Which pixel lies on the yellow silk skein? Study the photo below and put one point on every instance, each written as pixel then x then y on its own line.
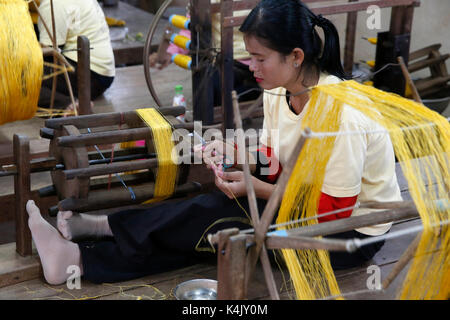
pixel 164 146
pixel 21 66
pixel 416 132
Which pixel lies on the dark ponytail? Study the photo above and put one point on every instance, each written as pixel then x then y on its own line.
pixel 330 61
pixel 284 25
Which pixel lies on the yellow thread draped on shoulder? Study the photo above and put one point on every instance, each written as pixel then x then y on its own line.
pixel 416 132
pixel 21 66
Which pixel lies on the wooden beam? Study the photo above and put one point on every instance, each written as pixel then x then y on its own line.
pixel 277 242
pixel 22 190
pixel 231 266
pixel 226 64
pixel 119 196
pixel 408 79
pixel 201 34
pixel 84 75
pixel 350 36
pixel 236 6
pixel 351 223
pixel 108 119
pixel 337 9
pixel 109 137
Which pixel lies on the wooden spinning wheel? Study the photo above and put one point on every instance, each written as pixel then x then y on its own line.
pixel 161 49
pixel 91 172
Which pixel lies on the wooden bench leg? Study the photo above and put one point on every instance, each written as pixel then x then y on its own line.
pixel 231 266
pixel 22 189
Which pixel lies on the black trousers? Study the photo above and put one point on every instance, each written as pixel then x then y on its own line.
pixel 99 84
pixel 165 237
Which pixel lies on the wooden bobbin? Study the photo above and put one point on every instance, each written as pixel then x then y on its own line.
pixel 72 158
pixel 76 156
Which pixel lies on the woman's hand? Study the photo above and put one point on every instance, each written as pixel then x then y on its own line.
pixel 231 183
pixel 217 153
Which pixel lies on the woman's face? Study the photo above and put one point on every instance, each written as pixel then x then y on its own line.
pixel 268 66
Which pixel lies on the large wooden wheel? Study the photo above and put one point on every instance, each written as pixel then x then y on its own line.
pixel 162 47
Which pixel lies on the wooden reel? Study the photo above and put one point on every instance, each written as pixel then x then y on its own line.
pixel 71 158
pixel 90 175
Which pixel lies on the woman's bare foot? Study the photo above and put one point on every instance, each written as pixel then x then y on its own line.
pixel 55 252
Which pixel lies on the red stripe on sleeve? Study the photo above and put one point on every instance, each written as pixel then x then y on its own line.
pixel 329 203
pixel 273 163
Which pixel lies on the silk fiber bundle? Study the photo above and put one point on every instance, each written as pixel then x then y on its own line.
pixel 164 146
pixel 416 132
pixel 21 66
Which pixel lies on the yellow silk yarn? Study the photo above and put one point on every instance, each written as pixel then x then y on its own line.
pixel 416 132
pixel 164 146
pixel 21 66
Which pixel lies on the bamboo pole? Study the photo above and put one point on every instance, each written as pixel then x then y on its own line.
pixel 337 226
pixel 277 242
pixel 402 262
pixel 409 81
pixel 355 222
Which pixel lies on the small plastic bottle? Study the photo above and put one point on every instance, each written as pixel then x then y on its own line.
pixel 179 100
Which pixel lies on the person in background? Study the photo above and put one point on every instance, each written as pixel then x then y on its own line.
pixel 243 78
pixel 72 19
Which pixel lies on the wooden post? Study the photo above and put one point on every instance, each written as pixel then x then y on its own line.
pixel 84 75
pixel 202 90
pixel 22 190
pixel 350 34
pixel 55 61
pixel 408 79
pixel 390 45
pixel 231 265
pixel 226 10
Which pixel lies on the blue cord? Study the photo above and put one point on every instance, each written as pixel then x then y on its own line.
pixel 133 196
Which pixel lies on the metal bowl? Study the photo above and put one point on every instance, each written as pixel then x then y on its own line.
pixel 197 289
